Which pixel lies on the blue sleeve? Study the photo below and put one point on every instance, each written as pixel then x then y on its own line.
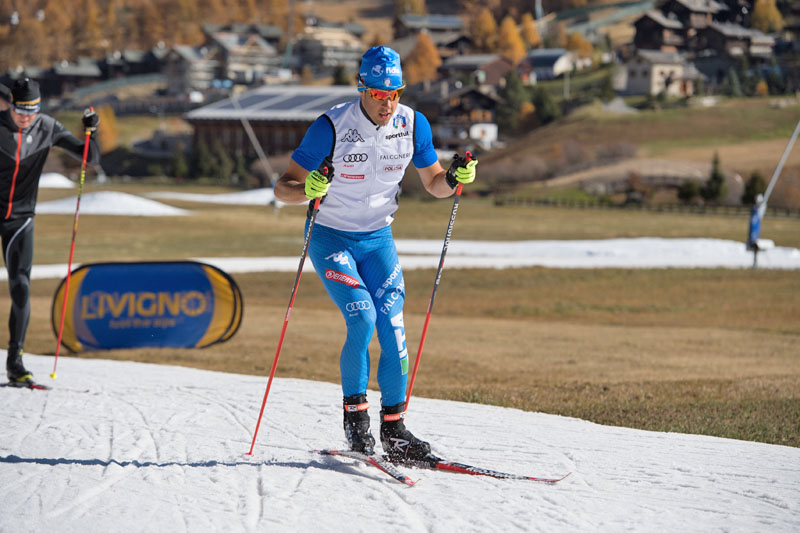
pixel 424 154
pixel 317 144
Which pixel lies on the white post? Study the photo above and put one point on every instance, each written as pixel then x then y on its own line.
pixel 763 208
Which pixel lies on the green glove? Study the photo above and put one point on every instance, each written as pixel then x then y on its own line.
pixel 317 185
pixel 461 171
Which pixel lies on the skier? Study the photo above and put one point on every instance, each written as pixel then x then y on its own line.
pixel 26 137
pixel 368 142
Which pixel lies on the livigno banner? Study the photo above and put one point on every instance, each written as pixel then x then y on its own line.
pixel 181 304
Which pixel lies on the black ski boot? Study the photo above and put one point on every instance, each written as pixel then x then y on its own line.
pixel 15 370
pixel 356 424
pixel 399 443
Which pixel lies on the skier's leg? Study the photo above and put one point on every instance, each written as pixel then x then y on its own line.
pixel 18 256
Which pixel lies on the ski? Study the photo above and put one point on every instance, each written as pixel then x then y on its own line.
pixel 380 463
pixel 437 463
pixel 27 384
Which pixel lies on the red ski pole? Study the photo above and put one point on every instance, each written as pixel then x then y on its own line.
pixel 72 248
pixel 435 286
pixel 326 170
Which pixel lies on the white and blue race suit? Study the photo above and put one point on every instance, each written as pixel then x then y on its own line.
pixel 352 247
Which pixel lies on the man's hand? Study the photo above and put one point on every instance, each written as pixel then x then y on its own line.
pixel 319 181
pixel 462 170
pixel 90 120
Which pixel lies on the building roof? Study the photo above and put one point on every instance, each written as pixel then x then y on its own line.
pixel 470 60
pixel 735 31
pixel 231 40
pixel 331 36
pixel 432 22
pixel 189 53
pixel 659 18
pixel 544 57
pixel 703 6
pixel 405 45
pixel 266 31
pixel 84 67
pixel 277 103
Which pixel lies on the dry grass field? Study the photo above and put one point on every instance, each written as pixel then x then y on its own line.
pixel 712 351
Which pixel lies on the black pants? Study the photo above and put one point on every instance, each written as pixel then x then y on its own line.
pixel 17 237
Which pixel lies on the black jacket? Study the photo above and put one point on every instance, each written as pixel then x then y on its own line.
pixel 28 148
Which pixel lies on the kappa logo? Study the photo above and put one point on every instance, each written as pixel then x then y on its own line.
pixel 352 136
pixel 377 70
pixel 355 158
pixel 340 258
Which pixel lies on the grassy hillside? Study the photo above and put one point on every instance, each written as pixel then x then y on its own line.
pixel 748 134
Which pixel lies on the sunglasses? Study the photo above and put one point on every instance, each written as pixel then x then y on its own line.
pixel 379 94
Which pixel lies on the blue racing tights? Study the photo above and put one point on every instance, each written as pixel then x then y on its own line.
pixel 362 275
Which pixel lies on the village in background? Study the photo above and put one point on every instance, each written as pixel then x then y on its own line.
pixel 233 84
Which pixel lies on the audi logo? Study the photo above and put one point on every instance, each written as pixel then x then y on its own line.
pixel 355 158
pixel 358 306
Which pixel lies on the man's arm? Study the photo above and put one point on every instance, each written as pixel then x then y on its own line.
pixel 434 181
pixel 291 186
pixel 74 146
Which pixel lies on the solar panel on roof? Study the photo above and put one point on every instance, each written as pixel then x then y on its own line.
pixel 289 103
pixel 323 104
pixel 250 100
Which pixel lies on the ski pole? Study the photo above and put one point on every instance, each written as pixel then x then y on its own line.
pixel 88 134
pixel 326 170
pixel 435 286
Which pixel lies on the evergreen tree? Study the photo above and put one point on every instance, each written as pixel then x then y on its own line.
pixel 546 107
pixel 734 87
pixel 242 173
pixel 409 7
pixel 89 30
pixel 607 92
pixel 561 35
pixel 529 32
pixel 151 25
pixel 224 164
pixel 423 61
pixel 509 41
pixel 752 188
pixel 202 161
pixel 688 191
pixel 766 17
pixel 113 32
pixel 180 168
pixel 714 189
pixel 483 31
pixel 61 43
pixel 513 95
pixel 577 43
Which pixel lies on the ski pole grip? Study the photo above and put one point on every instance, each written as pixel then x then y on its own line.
pixel 326 169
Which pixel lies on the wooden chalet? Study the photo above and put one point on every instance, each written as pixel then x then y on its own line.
pixel 278 115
